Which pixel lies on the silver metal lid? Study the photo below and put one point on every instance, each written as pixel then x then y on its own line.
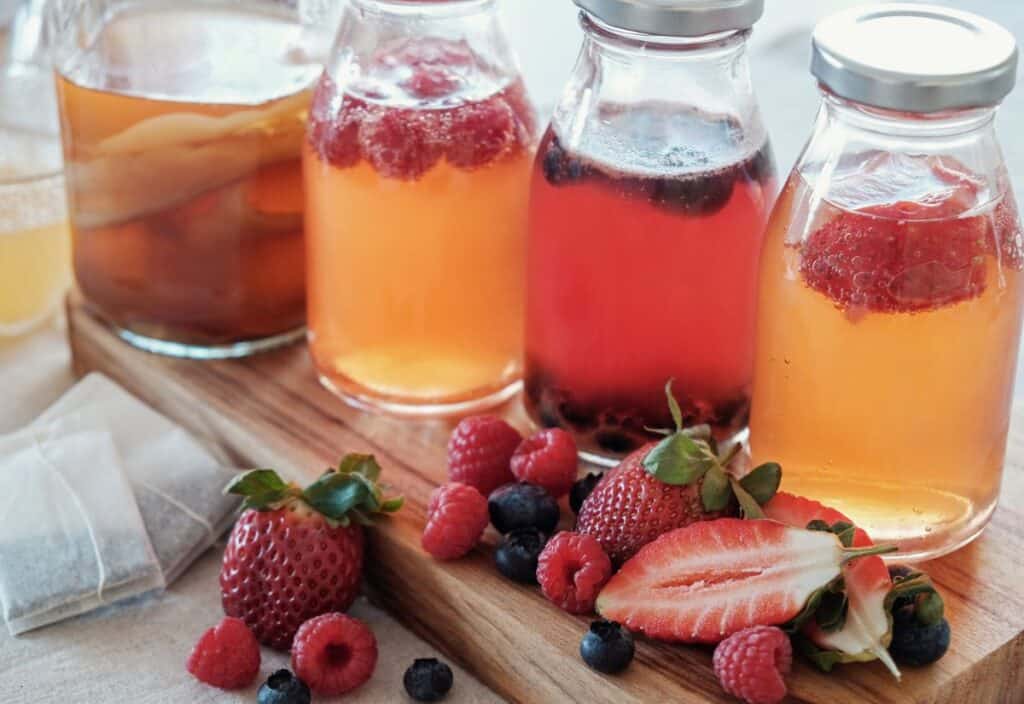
pixel 676 18
pixel 915 58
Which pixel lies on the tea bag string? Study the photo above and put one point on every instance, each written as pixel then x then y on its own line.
pixel 37 445
pixel 183 508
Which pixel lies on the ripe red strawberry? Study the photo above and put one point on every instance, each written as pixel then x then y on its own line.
pixel 226 656
pixel 334 654
pixel 548 459
pixel 711 579
pixel 480 453
pixel 750 664
pixel 456 518
pixel 867 631
pixel 297 554
pixel 630 507
pixel 571 571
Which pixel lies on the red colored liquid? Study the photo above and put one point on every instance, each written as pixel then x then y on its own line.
pixel 637 279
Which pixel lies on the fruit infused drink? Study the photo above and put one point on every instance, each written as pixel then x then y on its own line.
pixel 646 216
pixel 888 345
pixel 636 277
pixel 890 293
pixel 183 127
pixel 417 175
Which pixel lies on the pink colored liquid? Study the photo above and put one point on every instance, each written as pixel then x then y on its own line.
pixel 637 279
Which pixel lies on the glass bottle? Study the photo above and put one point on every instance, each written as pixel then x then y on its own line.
pixel 417 172
pixel 182 126
pixel 649 199
pixel 891 292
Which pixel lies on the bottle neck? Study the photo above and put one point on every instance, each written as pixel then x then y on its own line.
pixel 710 47
pixel 887 124
pixel 425 9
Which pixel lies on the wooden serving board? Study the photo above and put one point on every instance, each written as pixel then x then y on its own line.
pixel 270 411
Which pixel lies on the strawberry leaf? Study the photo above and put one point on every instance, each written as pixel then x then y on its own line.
pixel 679 460
pixel 363 465
pixel 845 532
pixel 748 505
pixel 261 488
pixel 763 481
pixel 335 495
pixel 392 505
pixel 673 406
pixel 715 491
pixel 824 660
pixel 831 614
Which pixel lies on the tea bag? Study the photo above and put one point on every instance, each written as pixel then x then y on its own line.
pixel 72 537
pixel 177 483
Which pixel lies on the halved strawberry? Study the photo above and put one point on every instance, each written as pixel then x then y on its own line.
pixel 711 579
pixel 867 629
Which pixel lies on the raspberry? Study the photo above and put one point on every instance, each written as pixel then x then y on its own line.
pixel 401 144
pixel 480 453
pixel 456 518
pixel 334 653
pixel 481 132
pixel 334 121
pixel 547 459
pixel 227 656
pixel 572 570
pixel 750 664
pixel 431 82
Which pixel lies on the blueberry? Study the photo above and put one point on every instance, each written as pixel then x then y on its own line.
pixel 516 556
pixel 607 647
pixel 694 195
pixel 916 644
pixel 516 506
pixel 283 687
pixel 560 167
pixel 428 680
pixel 581 490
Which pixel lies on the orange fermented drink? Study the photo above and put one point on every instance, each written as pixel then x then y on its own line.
pixel 886 391
pixel 184 175
pixel 416 219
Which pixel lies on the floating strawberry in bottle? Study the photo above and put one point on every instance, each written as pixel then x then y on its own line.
pixel 295 554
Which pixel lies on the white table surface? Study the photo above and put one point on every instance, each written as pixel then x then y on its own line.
pixel 136 652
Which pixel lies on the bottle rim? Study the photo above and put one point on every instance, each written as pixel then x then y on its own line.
pixel 671 18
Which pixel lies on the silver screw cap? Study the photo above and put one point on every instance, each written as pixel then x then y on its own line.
pixel 676 18
pixel 914 58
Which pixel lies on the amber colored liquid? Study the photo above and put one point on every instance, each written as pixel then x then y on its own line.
pixel 898 419
pixel 187 203
pixel 416 286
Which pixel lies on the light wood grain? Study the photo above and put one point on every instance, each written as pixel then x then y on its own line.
pixel 270 411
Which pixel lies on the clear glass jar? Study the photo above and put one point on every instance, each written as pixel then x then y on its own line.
pixel 182 125
pixel 649 199
pixel 891 289
pixel 417 167
pixel 35 247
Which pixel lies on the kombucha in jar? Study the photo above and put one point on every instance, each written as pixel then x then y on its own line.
pixel 649 199
pixel 183 125
pixel 417 166
pixel 891 294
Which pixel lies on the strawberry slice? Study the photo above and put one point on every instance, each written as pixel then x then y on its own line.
pixel 867 630
pixel 711 579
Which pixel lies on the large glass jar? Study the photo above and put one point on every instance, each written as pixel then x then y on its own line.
pixel 182 124
pixel 891 291
pixel 649 199
pixel 417 172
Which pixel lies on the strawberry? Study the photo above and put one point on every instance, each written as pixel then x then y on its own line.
pixel 711 579
pixel 866 628
pixel 296 554
pixel 668 485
